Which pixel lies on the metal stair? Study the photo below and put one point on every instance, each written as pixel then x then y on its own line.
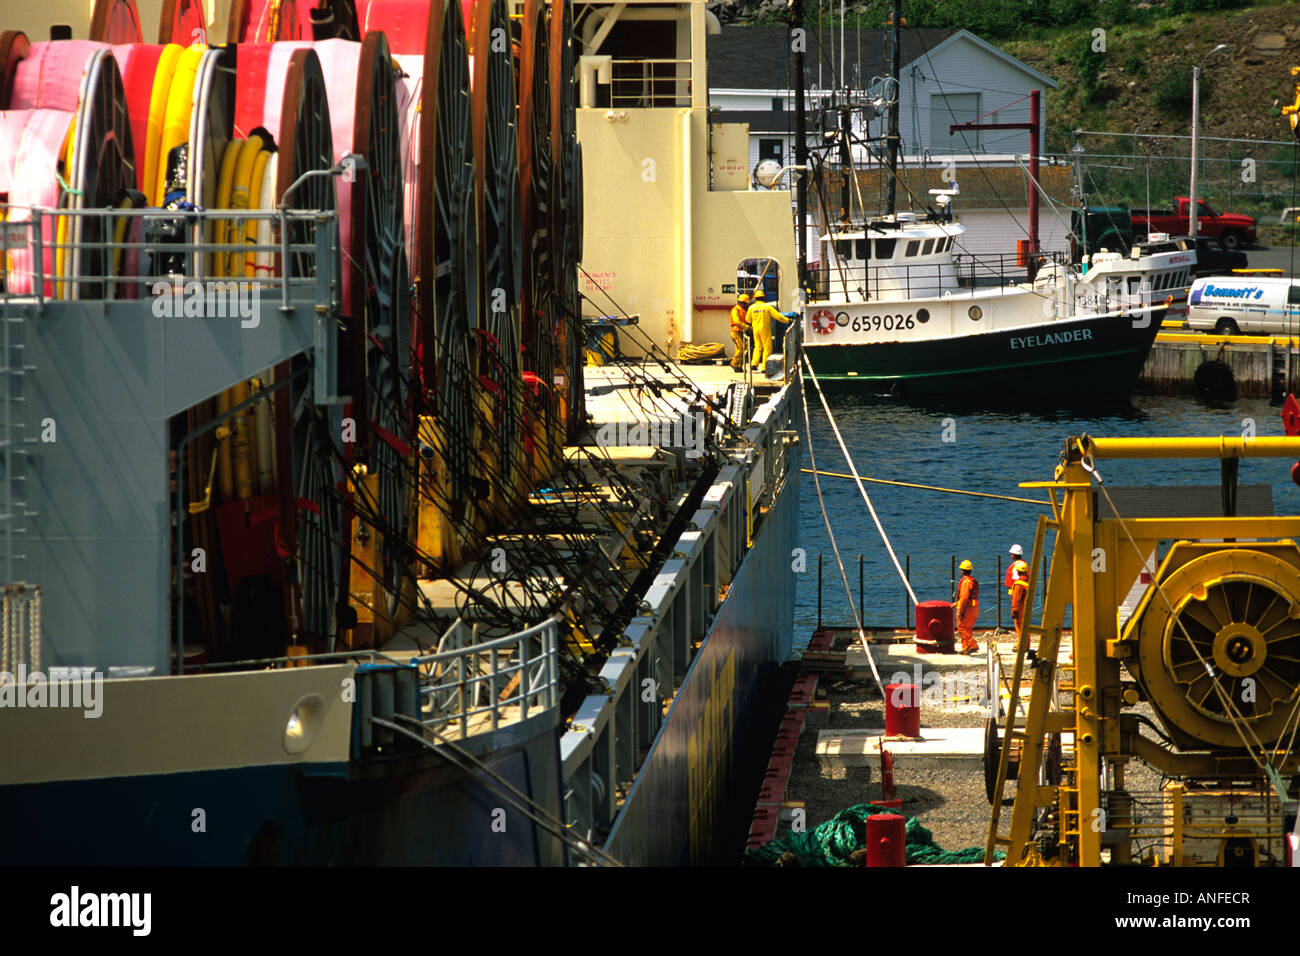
pixel 20 616
pixel 1042 717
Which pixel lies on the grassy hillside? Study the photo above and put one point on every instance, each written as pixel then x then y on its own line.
pixel 1136 77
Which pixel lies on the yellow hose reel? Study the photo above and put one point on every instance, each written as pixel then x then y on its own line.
pixel 1222 656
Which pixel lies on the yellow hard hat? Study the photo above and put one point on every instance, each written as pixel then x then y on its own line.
pixel 966 566
pixel 743 297
pixel 758 294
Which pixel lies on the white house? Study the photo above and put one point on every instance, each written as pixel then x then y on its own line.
pixel 946 77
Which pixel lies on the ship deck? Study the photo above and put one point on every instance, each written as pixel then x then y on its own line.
pixel 624 393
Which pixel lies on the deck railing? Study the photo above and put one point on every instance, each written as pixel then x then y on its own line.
pixel 149 254
pixel 965 273
pixel 650 83
pixel 487 683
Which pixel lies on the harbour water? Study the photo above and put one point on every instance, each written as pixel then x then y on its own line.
pixel 978 450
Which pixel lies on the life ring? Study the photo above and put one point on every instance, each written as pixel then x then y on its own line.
pixel 823 322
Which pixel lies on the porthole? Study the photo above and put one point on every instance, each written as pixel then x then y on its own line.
pixel 975 313
pixel 923 315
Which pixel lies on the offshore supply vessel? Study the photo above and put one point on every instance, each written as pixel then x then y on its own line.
pixel 317 547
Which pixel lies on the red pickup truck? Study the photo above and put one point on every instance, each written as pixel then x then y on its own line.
pixel 1232 229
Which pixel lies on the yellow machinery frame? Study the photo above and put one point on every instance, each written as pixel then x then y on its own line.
pixel 1098 694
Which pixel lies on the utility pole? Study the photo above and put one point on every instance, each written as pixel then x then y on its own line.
pixel 800 145
pixel 1196 129
pixel 891 187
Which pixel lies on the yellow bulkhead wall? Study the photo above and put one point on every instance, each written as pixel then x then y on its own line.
pixel 655 236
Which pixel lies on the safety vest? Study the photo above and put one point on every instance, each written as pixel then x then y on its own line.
pixel 739 318
pixel 1018 569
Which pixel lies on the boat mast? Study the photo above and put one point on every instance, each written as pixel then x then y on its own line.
pixel 891 186
pixel 800 146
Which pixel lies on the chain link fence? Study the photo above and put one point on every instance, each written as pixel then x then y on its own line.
pixel 1254 177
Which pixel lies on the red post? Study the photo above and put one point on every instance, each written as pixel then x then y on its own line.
pixel 1034 126
pixel 886 839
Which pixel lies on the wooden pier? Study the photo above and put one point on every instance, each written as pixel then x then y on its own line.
pixel 1225 366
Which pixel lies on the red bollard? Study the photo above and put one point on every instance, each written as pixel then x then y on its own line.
pixel 902 710
pixel 934 628
pixel 886 840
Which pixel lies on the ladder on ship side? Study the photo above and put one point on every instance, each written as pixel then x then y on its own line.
pixel 1037 798
pixel 20 617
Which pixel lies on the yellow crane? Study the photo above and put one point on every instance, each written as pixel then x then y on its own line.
pixel 1212 652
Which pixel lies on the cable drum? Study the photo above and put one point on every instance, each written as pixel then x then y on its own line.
pixel 271 21
pixel 115 21
pixel 28 175
pixel 566 222
pixel 363 103
pixel 305 144
pixel 66 112
pixel 14 48
pixel 495 116
pixel 182 21
pixel 535 185
pixel 1233 638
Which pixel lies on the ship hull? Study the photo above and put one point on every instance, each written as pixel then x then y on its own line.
pixel 696 779
pixel 419 808
pixel 1085 360
pixel 413 810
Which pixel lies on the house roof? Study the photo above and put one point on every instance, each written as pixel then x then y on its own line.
pixel 758 58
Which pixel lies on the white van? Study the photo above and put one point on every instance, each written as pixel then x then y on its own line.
pixel 1247 304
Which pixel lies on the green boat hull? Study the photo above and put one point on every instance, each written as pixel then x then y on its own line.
pixel 1086 360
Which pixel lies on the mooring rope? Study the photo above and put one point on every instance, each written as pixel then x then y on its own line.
pixel 951 491
pixel 856 477
pixel 835 548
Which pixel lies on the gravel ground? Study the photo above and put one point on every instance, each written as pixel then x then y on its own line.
pixel 950 803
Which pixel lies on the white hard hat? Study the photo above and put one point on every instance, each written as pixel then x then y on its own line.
pixel 1017 550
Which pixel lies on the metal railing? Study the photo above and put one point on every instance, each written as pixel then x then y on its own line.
pixel 640 84
pixel 908 621
pixel 152 254
pixel 966 273
pixel 491 682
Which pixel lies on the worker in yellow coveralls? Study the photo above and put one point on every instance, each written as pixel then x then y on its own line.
pixel 968 607
pixel 739 326
pixel 760 316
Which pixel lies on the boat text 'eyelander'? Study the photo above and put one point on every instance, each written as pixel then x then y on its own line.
pixel 1051 338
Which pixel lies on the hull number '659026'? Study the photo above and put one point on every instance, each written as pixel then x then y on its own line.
pixel 889 323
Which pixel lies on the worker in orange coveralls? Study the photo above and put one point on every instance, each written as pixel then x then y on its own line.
pixel 968 607
pixel 739 326
pixel 1019 594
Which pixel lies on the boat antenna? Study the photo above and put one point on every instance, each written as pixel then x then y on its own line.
pixel 891 188
pixel 800 145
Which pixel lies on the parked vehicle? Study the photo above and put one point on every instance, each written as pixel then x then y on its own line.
pixel 1244 304
pixel 1098 228
pixel 1212 259
pixel 1233 229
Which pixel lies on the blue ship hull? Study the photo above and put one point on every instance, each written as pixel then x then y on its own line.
pixel 402 811
pixel 715 734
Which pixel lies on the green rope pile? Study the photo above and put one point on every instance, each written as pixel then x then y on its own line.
pixel 833 842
